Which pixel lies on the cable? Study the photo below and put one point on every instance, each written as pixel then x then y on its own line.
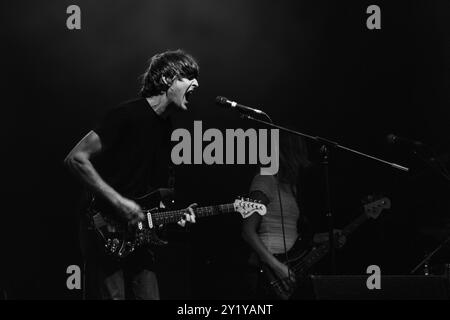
pixel 281 213
pixel 267 116
pixel 282 228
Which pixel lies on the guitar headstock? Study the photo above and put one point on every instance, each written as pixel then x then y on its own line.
pixel 374 207
pixel 246 207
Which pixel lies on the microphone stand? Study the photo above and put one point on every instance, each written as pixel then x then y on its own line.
pixel 428 257
pixel 326 146
pixel 433 163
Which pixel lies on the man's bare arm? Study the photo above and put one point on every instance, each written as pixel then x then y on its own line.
pixel 79 162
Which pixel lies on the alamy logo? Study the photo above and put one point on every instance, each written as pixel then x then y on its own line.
pixel 374 280
pixel 213 153
pixel 374 20
pixel 73 21
pixel 74 279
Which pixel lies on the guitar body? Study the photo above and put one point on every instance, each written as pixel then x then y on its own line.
pixel 284 288
pixel 115 236
pixel 302 257
pixel 119 240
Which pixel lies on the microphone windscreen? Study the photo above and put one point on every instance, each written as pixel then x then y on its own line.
pixel 221 100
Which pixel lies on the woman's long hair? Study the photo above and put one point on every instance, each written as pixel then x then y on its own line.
pixel 293 158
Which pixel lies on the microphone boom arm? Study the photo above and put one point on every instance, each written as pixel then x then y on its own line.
pixel 329 143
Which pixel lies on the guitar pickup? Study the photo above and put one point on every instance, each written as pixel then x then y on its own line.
pixel 149 219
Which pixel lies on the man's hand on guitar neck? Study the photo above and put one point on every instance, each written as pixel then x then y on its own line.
pixel 189 217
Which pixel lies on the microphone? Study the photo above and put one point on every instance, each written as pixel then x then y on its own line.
pixel 393 139
pixel 224 102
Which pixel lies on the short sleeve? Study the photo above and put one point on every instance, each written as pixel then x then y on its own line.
pixel 264 183
pixel 112 126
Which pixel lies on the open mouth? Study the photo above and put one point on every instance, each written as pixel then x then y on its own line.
pixel 188 95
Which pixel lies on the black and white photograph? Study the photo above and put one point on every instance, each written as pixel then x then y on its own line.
pixel 235 157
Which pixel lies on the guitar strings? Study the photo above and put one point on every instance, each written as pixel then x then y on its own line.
pixel 170 215
pixel 295 268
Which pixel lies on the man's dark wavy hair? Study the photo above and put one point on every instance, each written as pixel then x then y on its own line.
pixel 172 64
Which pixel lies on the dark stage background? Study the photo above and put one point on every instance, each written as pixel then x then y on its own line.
pixel 310 64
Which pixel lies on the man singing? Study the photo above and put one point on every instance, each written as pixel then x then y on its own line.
pixel 126 156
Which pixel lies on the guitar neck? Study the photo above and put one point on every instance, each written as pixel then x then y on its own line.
pixel 166 217
pixel 318 253
pixel 354 224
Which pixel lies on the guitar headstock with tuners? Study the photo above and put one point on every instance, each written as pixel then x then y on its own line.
pixel 246 207
pixel 373 208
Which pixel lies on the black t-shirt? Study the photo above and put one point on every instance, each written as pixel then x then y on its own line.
pixel 136 148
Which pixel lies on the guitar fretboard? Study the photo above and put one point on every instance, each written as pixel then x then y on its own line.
pixel 354 224
pixel 165 217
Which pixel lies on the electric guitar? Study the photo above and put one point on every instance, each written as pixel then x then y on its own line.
pixel 301 258
pixel 119 240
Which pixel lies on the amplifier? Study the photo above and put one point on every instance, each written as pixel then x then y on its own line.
pixel 393 287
